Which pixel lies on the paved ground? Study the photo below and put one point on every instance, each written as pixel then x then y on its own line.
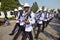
pixel 52 32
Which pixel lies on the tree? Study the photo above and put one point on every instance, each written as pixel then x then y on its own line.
pixel 35 7
pixel 9 4
pixel 58 10
pixel 0 4
pixel 43 7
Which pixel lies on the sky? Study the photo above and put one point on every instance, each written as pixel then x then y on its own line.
pixel 46 3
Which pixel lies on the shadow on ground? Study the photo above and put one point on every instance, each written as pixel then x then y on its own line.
pixel 49 35
pixel 56 28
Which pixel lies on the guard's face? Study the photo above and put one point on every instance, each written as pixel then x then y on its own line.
pixel 39 12
pixel 26 9
pixel 55 12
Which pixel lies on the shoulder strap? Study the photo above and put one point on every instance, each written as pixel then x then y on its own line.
pixel 40 14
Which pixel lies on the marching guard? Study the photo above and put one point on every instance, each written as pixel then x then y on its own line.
pixel 44 15
pixel 25 20
pixel 28 22
pixel 17 22
pixel 20 12
pixel 38 22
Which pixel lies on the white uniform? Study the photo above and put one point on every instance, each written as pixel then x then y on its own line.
pixel 22 20
pixel 38 18
pixel 32 15
pixel 45 16
pixel 42 16
pixel 17 21
pixel 52 15
pixel 48 17
pixel 28 27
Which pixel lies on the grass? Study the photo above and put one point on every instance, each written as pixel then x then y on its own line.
pixel 12 18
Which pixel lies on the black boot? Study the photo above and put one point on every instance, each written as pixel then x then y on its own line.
pixel 11 34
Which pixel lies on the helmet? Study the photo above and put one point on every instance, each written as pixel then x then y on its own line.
pixel 15 9
pixel 45 9
pixel 49 10
pixel 26 5
pixel 20 8
pixel 39 9
pixel 55 10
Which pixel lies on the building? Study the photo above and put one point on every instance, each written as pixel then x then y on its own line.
pixel 10 14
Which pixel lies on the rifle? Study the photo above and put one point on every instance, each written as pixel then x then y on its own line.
pixel 39 16
pixel 27 16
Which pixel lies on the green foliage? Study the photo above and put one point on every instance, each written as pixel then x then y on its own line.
pixel 35 7
pixel 58 10
pixel 9 4
pixel 12 18
pixel 43 7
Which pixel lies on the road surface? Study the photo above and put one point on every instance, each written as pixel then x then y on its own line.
pixel 52 32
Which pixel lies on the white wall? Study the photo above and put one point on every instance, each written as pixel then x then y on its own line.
pixel 2 15
pixel 8 15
